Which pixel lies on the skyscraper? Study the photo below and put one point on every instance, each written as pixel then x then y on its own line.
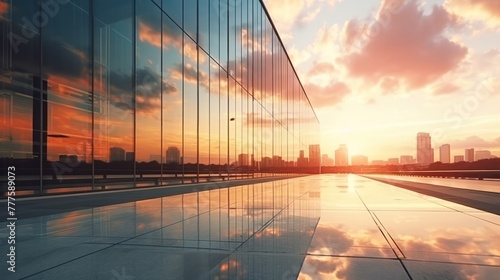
pixel 425 154
pixel 406 159
pixel 341 156
pixel 116 154
pixel 314 156
pixel 469 155
pixel 444 153
pixel 145 75
pixel 173 155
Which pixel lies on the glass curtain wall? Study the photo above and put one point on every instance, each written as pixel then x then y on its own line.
pixel 113 94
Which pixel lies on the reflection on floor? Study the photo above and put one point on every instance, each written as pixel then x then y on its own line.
pixel 316 227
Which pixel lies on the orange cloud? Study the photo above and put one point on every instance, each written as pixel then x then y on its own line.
pixel 408 45
pixel 328 95
pixel 4 7
pixel 487 11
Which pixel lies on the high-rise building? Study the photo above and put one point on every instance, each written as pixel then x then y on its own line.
pixel 458 158
pixel 406 159
pixel 483 154
pixel 145 75
pixel 243 160
pixel 130 156
pixel 341 156
pixel 469 155
pixel 425 154
pixel 444 153
pixel 116 154
pixel 314 156
pixel 301 160
pixel 173 155
pixel 359 160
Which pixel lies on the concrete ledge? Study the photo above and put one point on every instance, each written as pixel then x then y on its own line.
pixel 482 200
pixel 48 205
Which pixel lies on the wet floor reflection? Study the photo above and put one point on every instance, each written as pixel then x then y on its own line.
pixel 315 227
pixel 220 234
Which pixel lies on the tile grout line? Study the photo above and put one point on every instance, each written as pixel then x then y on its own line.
pixel 382 229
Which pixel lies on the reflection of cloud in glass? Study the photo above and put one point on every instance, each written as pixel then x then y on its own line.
pixel 64 60
pixel 148 89
pixel 152 34
pixel 4 7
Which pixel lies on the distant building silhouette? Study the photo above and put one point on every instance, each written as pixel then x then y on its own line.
pixel 359 160
pixel 341 156
pixel 379 162
pixel 243 160
pixel 458 158
pixel 444 153
pixel 173 155
pixel 425 154
pixel 129 156
pixel 393 161
pixel 301 160
pixel 116 154
pixel 484 154
pixel 326 160
pixel 469 155
pixel 314 156
pixel 406 159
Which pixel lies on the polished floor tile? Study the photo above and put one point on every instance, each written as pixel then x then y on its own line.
pixel 315 227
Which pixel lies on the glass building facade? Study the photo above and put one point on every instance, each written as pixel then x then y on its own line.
pixel 99 94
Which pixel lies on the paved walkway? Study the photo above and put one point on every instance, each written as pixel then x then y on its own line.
pixel 314 227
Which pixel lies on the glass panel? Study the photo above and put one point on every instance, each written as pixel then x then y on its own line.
pixel 190 115
pixel 148 102
pixel 20 101
pixel 224 119
pixel 232 125
pixel 173 8
pixel 214 30
pixel 204 23
pixel 204 112
pixel 223 31
pixel 66 70
pixel 172 101
pixel 191 18
pixel 113 91
pixel 215 133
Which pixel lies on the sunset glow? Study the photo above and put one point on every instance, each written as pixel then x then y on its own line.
pixel 378 73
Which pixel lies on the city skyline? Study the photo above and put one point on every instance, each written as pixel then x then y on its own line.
pixel 429 154
pixel 375 84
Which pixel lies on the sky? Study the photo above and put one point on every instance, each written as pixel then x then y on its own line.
pixel 377 72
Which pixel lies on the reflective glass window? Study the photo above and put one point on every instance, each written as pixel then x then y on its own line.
pixel 148 99
pixel 66 54
pixel 113 48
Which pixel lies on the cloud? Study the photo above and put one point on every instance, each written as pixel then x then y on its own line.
pixel 475 142
pixel 328 95
pixel 486 11
pixel 64 60
pixel 409 46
